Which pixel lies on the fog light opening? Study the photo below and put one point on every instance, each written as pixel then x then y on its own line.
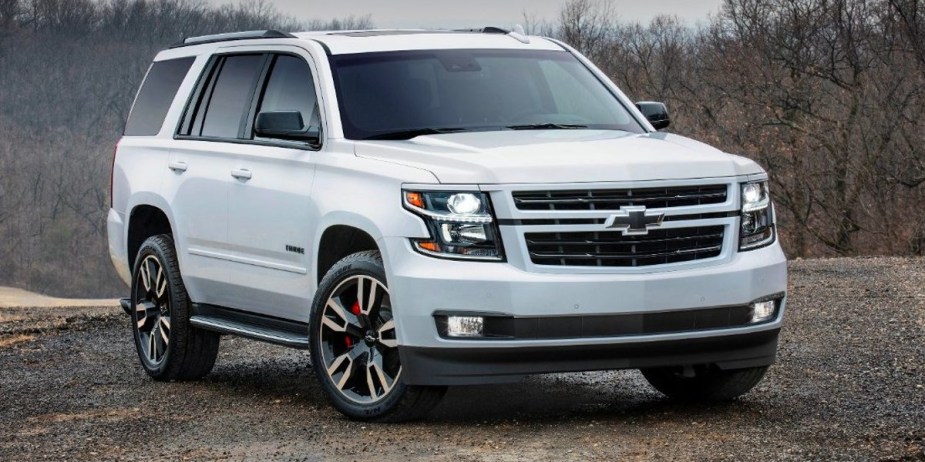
pixel 763 311
pixel 465 326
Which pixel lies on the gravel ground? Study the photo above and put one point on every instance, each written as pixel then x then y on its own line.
pixel 849 385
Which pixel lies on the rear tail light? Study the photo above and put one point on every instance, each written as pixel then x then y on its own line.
pixel 112 172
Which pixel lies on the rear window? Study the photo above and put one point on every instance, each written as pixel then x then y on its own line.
pixel 156 94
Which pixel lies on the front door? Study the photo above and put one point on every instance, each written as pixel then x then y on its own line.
pixel 271 218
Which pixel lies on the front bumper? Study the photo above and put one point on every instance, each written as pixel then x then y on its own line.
pixel 422 286
pixel 472 366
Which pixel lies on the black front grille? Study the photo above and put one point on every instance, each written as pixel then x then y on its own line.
pixel 612 248
pixel 613 199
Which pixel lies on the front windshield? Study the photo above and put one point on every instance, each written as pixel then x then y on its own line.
pixel 403 94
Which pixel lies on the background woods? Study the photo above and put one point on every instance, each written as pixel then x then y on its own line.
pixel 69 70
pixel 828 95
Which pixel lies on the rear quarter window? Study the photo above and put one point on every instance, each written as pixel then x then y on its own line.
pixel 157 93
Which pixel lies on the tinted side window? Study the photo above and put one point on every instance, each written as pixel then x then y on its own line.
pixel 291 88
pixel 232 95
pixel 157 92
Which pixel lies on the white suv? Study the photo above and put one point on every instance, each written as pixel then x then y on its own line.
pixel 430 208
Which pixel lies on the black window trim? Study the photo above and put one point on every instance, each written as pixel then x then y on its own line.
pixel 247 128
pixel 256 89
pixel 206 97
pixel 202 93
pixel 192 117
pixel 257 102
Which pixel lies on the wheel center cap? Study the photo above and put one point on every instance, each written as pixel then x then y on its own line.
pixel 370 337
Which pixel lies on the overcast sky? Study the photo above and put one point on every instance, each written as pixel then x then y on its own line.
pixel 477 13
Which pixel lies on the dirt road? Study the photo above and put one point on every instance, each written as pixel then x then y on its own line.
pixel 849 385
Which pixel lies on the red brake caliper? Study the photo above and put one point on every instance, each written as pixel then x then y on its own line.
pixel 355 309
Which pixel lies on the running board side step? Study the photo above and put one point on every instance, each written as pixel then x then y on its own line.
pixel 126 304
pixel 278 331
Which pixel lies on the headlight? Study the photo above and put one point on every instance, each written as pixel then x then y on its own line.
pixel 757 228
pixel 461 224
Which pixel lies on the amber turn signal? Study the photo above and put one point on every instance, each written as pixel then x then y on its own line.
pixel 429 246
pixel 414 198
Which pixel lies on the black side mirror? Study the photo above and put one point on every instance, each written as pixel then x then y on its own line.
pixel 657 113
pixel 285 125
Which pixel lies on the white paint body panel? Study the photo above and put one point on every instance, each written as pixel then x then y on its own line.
pixel 557 156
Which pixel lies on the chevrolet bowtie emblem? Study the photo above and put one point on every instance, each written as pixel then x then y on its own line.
pixel 635 220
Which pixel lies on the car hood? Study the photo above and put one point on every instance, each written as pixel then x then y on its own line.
pixel 557 156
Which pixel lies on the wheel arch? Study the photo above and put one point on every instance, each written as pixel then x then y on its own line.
pixel 342 236
pixel 145 220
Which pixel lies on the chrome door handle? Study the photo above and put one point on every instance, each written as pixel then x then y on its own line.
pixel 177 166
pixel 241 174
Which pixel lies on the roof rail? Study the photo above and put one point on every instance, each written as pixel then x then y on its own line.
pixel 517 33
pixel 252 34
pixel 485 30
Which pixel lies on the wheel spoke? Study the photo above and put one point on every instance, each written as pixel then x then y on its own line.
pixel 375 367
pixel 161 283
pixel 344 378
pixel 392 340
pixel 333 325
pixel 152 347
pixel 360 295
pixel 374 284
pixel 334 307
pixel 145 278
pixel 151 264
pixel 337 364
pixel 370 383
pixel 164 332
pixel 155 334
pixel 143 313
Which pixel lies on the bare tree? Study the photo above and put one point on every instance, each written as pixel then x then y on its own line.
pixel 587 25
pixel 69 70
pixel 826 94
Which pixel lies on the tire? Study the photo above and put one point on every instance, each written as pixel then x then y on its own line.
pixel 169 348
pixel 708 383
pixel 354 346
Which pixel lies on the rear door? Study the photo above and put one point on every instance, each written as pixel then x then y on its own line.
pixel 202 167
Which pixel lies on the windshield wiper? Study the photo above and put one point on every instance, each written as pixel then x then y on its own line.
pixel 408 134
pixel 414 132
pixel 547 126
